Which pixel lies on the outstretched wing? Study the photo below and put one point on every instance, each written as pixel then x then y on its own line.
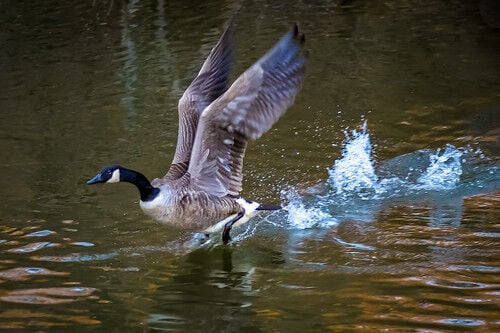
pixel 210 83
pixel 244 112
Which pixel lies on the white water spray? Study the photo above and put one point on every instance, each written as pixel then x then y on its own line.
pixel 355 189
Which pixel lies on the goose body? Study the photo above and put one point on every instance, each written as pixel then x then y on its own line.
pixel 201 189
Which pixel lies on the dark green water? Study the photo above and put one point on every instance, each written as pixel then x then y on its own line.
pixel 396 237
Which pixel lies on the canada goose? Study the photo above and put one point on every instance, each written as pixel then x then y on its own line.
pixel 201 189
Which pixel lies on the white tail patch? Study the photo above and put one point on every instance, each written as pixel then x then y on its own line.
pixel 249 206
pixel 250 211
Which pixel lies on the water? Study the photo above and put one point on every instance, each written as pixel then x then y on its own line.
pixel 387 167
pixel 356 188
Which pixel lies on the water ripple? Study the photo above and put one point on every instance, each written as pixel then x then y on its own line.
pixel 47 295
pixel 40 233
pixel 32 247
pixel 474 268
pixel 76 257
pixel 459 321
pixel 86 244
pixel 25 273
pixel 44 319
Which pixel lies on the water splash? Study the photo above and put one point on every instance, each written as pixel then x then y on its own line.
pixel 357 187
pixel 354 172
pixel 302 216
pixel 444 170
pixel 356 176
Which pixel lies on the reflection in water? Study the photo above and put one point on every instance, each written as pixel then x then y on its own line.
pixel 447 213
pixel 129 68
pixel 160 41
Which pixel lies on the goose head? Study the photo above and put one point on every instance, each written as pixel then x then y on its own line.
pixel 117 173
pixel 108 174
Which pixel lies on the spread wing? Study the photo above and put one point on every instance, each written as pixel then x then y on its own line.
pixel 244 112
pixel 210 83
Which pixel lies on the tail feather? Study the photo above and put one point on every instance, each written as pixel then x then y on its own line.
pixel 252 206
pixel 268 207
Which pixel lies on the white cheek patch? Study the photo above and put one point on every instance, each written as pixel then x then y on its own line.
pixel 115 178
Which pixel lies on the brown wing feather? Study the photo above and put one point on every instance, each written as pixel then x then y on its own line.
pixel 244 112
pixel 210 83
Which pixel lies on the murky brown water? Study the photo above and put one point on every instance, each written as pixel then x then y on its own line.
pixel 84 84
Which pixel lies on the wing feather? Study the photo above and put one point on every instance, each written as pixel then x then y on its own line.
pixel 244 112
pixel 209 84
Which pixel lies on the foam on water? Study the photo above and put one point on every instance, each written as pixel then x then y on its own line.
pixel 357 187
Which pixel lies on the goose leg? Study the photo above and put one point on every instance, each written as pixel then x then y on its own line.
pixel 227 227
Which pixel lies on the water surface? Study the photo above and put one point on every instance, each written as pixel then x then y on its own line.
pixel 387 166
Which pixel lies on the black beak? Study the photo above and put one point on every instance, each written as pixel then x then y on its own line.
pixel 95 180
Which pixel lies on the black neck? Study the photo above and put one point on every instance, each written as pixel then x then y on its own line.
pixel 147 191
